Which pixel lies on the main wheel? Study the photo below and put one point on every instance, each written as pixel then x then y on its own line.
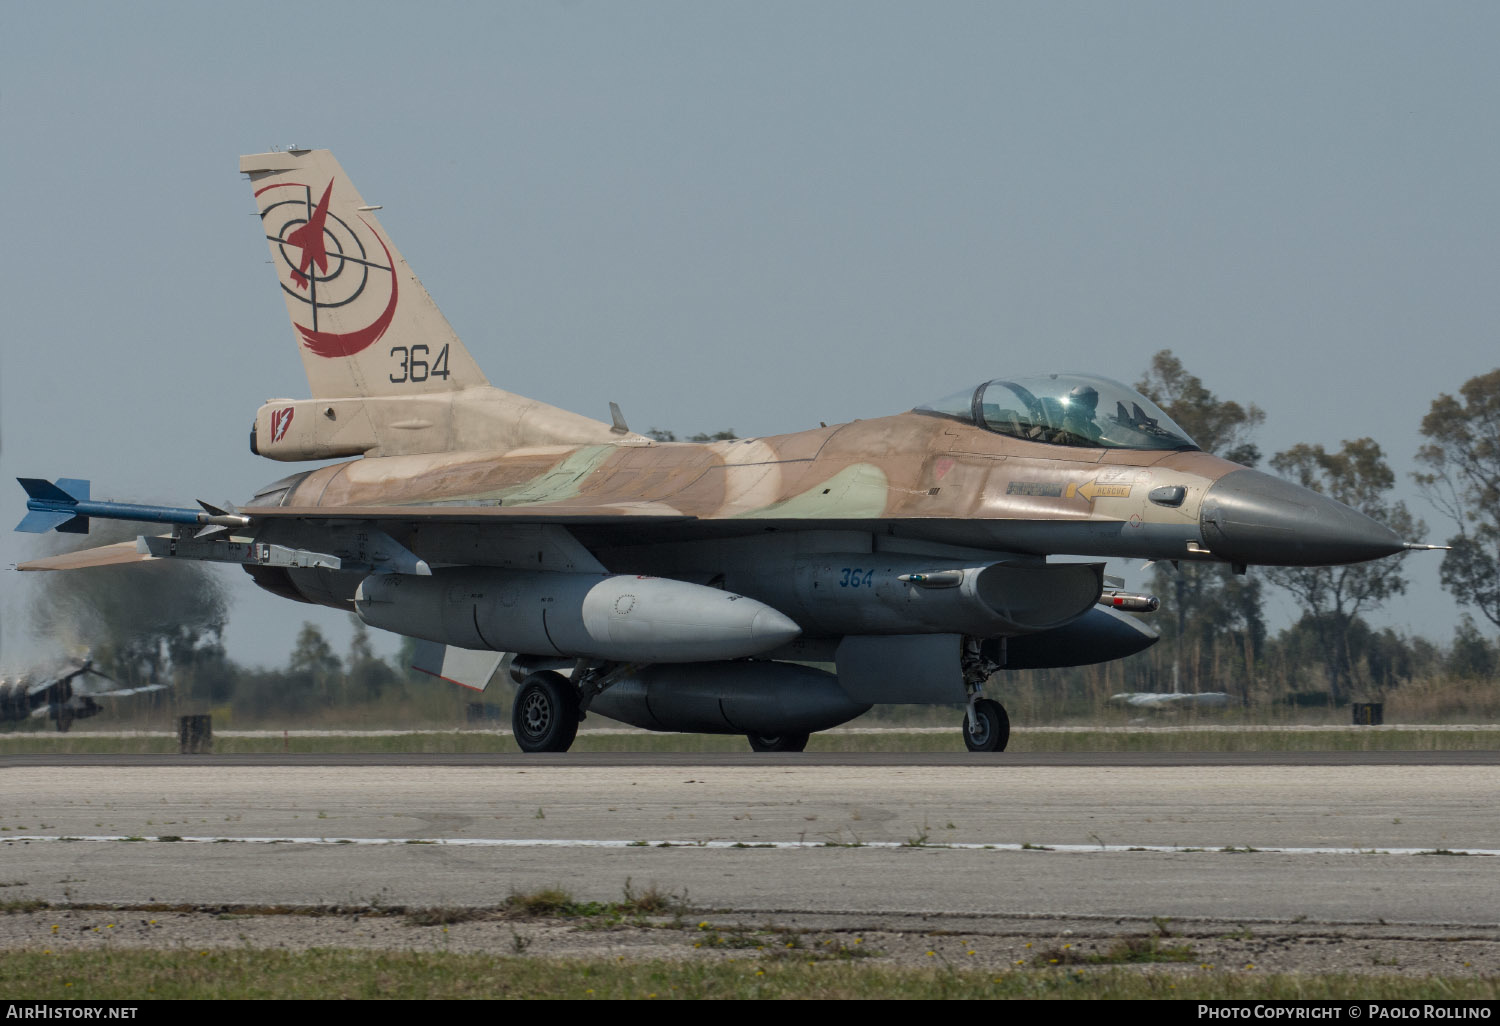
pixel 778 742
pixel 992 731
pixel 545 716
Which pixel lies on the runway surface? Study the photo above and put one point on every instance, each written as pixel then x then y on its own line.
pixel 1322 839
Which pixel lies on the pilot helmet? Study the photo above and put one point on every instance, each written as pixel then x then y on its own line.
pixel 1084 395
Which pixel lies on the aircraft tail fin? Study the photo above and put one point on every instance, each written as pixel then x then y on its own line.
pixel 364 324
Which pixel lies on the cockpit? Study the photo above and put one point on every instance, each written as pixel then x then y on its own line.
pixel 1064 409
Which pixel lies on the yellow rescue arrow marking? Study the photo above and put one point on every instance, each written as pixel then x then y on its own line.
pixel 1092 490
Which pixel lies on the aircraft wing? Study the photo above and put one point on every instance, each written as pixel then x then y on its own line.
pixel 43 711
pixel 42 686
pixel 531 513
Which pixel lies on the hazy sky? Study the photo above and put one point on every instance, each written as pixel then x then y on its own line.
pixel 753 215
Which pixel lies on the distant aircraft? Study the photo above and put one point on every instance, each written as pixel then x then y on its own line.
pixel 62 696
pixel 1162 700
pixel 688 586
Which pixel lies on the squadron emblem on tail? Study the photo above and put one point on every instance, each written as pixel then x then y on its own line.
pixel 330 268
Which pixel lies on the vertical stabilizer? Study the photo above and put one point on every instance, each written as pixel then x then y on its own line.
pixel 363 322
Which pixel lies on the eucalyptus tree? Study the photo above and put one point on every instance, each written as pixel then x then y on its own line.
pixel 1463 481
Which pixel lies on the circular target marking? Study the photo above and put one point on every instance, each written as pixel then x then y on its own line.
pixel 326 265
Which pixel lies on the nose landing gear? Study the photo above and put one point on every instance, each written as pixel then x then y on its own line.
pixel 986 726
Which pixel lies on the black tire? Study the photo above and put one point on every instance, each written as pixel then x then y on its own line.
pixel 778 742
pixel 545 714
pixel 993 730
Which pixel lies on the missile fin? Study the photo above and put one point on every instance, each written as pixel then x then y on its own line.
pixel 39 488
pixel 40 521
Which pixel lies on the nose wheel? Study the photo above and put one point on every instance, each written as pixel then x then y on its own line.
pixel 545 716
pixel 986 726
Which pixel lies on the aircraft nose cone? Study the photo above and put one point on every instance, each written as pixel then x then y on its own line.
pixel 772 627
pixel 1250 517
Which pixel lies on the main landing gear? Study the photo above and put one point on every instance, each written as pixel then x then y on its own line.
pixel 545 716
pixel 549 706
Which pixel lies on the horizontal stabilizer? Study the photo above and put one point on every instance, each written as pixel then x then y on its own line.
pixel 104 555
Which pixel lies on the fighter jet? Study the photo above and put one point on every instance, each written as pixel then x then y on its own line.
pixel 769 587
pixel 62 695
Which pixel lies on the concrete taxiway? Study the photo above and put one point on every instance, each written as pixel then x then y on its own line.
pixel 1214 839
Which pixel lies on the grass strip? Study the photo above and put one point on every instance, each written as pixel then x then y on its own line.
pixel 218 973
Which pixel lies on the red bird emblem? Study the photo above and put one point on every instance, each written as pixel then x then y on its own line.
pixel 310 238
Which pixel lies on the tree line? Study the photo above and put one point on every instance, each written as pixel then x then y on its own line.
pixel 1213 621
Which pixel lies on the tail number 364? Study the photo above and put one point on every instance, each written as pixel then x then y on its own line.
pixel 412 364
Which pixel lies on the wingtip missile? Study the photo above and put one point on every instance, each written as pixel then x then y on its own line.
pixel 66 506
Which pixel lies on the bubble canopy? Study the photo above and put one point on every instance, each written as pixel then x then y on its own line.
pixel 1065 409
